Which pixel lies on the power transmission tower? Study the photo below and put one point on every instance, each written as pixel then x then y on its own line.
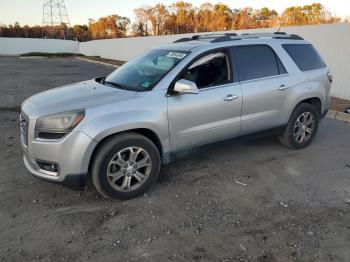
pixel 55 20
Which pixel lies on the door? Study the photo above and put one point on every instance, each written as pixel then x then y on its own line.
pixel 265 87
pixel 214 113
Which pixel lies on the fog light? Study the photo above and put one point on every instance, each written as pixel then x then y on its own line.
pixel 48 166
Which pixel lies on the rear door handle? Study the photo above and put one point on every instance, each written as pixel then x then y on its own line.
pixel 283 87
pixel 230 97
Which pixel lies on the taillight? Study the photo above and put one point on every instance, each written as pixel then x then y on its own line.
pixel 330 77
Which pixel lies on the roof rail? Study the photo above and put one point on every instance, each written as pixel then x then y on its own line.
pixel 185 39
pixel 275 35
pixel 291 36
pixel 231 34
pixel 215 38
pixel 222 39
pixel 195 37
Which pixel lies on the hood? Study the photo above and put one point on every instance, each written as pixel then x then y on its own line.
pixel 86 94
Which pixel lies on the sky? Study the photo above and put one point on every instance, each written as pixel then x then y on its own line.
pixel 79 11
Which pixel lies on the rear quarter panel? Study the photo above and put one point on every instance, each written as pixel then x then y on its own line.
pixel 311 84
pixel 304 85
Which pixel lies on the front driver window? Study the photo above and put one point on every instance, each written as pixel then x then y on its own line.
pixel 209 70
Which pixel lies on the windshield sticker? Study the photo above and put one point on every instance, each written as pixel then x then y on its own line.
pixel 146 84
pixel 176 55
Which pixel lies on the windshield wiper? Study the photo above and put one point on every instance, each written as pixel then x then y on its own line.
pixel 116 85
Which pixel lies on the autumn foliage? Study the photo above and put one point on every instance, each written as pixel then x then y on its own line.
pixel 181 17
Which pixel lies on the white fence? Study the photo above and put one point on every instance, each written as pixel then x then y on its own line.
pixel 332 41
pixel 17 46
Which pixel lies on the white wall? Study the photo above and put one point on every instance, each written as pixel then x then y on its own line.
pixel 17 46
pixel 124 48
pixel 332 41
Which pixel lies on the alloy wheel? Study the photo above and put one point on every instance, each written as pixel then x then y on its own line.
pixel 304 127
pixel 129 169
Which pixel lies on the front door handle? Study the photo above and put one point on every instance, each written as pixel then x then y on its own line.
pixel 283 87
pixel 230 97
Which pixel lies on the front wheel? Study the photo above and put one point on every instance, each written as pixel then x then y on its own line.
pixel 302 127
pixel 125 166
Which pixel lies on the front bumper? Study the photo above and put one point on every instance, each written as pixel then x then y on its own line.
pixel 75 181
pixel 72 155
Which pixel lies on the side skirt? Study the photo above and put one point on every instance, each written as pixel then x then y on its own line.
pixel 173 156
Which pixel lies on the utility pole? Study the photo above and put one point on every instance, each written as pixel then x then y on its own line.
pixel 56 22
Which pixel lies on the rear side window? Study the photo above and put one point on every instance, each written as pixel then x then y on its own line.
pixel 258 61
pixel 304 56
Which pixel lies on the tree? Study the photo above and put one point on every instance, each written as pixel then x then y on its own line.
pixel 182 17
pixel 158 15
pixel 113 26
pixel 138 29
pixel 143 15
pixel 203 18
pixel 221 18
pixel 313 13
pixel 244 19
pixel 294 16
pixel 265 17
pixel 81 33
pixel 35 31
pixel 17 30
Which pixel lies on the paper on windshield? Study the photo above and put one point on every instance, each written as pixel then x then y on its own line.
pixel 177 55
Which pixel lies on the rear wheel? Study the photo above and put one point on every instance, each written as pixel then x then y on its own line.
pixel 125 166
pixel 302 127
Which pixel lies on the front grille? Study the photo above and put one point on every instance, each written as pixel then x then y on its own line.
pixel 23 124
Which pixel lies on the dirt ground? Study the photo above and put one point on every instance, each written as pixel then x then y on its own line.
pixel 235 201
pixel 339 104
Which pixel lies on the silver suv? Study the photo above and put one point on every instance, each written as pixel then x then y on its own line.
pixel 120 129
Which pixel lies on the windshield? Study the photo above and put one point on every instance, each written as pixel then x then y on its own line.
pixel 145 71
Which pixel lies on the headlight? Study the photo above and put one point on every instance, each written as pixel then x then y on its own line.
pixel 58 125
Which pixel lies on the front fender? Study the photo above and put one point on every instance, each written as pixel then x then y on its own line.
pixel 117 122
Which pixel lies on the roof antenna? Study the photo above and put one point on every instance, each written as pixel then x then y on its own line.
pixel 279 26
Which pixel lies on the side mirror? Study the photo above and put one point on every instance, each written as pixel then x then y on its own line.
pixel 184 86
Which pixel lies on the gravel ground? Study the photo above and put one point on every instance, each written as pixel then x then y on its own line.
pixel 23 77
pixel 233 201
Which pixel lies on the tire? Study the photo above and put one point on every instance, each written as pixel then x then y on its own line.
pixel 290 136
pixel 119 156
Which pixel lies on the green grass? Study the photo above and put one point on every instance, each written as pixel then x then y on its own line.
pixel 50 55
